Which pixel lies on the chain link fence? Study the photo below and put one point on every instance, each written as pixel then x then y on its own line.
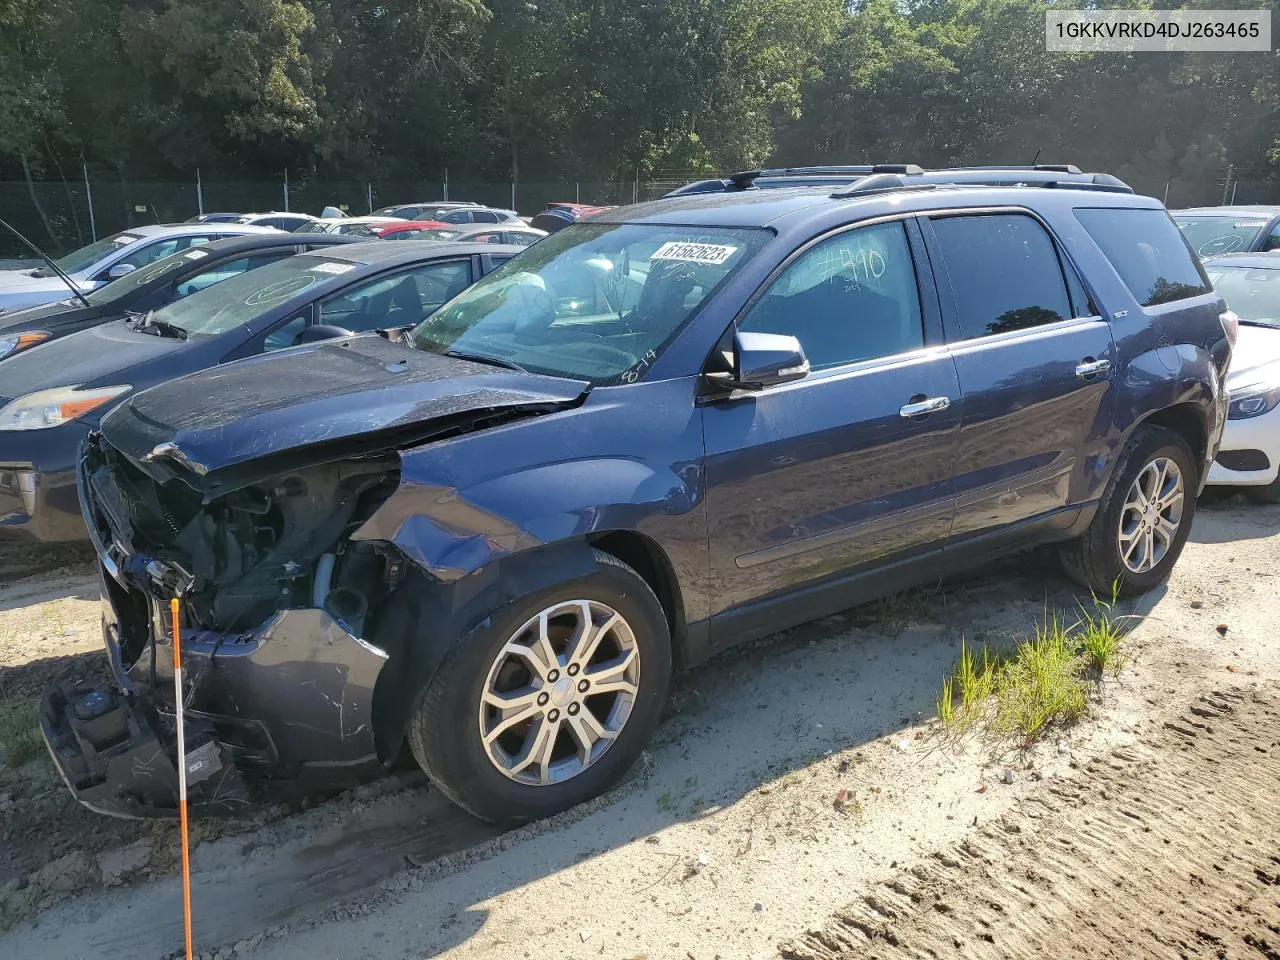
pixel 59 216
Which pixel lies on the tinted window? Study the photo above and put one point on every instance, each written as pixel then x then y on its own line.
pixel 404 298
pixel 285 335
pixel 486 216
pixel 1273 239
pixel 851 297
pixel 1148 252
pixel 401 234
pixel 1004 272
pixel 453 216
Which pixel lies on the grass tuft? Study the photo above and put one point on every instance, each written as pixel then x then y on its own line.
pixel 19 731
pixel 1042 681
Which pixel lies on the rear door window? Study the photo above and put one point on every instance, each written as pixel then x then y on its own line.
pixel 1004 272
pixel 1147 251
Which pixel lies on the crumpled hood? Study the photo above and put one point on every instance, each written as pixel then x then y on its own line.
pixel 360 393
pixel 1255 347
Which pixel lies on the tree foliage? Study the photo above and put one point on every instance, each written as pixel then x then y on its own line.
pixel 583 89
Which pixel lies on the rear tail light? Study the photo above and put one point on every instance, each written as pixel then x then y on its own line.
pixel 1230 325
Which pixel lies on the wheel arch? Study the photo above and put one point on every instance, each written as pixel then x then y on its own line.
pixel 425 617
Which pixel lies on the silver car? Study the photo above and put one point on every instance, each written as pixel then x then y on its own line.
pixel 109 259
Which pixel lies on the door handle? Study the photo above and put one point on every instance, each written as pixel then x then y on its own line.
pixel 1091 368
pixel 921 407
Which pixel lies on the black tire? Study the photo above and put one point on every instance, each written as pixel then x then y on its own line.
pixel 1268 494
pixel 443 731
pixel 1093 560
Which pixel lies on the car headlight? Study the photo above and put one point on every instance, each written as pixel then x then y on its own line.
pixel 1253 401
pixel 53 408
pixel 17 342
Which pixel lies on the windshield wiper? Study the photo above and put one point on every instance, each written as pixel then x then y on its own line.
pixel 485 358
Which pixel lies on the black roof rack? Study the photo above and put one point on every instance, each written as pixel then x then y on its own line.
pixel 1060 175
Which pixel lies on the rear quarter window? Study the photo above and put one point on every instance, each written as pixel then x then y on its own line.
pixel 1148 252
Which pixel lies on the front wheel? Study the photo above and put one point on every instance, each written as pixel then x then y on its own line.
pixel 1143 519
pixel 550 700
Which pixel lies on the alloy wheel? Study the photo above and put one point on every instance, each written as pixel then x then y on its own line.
pixel 559 692
pixel 1152 515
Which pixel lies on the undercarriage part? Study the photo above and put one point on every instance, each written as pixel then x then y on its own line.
pixel 119 756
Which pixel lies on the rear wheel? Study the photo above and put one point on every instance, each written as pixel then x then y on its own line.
pixel 550 700
pixel 1143 519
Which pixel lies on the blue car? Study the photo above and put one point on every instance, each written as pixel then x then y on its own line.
pixel 651 436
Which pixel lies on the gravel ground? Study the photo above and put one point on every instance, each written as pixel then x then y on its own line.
pixel 726 841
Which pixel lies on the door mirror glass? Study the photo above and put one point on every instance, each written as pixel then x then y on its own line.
pixel 120 270
pixel 763 359
pixel 323 331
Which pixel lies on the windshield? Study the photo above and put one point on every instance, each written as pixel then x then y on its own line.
pixel 439 233
pixel 1212 235
pixel 596 302
pixel 315 226
pixel 86 257
pixel 240 299
pixel 116 289
pixel 1252 293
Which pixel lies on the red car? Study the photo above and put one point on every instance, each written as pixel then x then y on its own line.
pixel 407 230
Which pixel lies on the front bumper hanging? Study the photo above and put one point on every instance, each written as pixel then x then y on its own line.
pixel 118 755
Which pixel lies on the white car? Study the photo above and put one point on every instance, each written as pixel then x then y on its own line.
pixel 110 259
pixel 348 226
pixel 1250 453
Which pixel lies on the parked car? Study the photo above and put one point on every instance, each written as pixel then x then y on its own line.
pixel 215 218
pixel 1250 453
pixel 476 214
pixel 407 229
pixel 109 259
pixel 279 220
pixel 559 215
pixel 423 209
pixel 1216 230
pixel 365 227
pixel 177 275
pixel 55 394
pixel 511 233
pixel 673 428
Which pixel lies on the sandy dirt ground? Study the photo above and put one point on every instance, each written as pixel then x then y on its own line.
pixel 1151 828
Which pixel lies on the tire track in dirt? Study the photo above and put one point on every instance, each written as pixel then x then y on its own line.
pixel 1170 848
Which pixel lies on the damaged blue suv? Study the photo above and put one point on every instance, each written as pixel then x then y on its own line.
pixel 660 432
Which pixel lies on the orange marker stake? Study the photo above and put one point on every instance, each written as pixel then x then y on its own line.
pixel 182 776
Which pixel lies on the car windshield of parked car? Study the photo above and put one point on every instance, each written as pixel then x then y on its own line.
pixel 1253 294
pixel 315 226
pixel 240 299
pixel 130 282
pixel 88 255
pixel 439 233
pixel 1209 236
pixel 596 302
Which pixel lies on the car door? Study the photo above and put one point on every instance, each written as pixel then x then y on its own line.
pixel 402 298
pixel 850 465
pixel 1034 360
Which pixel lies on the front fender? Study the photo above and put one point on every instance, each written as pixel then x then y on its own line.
pixel 451 533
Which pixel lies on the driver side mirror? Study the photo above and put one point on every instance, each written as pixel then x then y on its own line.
pixel 322 331
pixel 764 359
pixel 120 270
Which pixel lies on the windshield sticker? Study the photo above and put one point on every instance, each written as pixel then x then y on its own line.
pixel 334 268
pixel 125 240
pixel 195 254
pixel 1250 224
pixel 712 254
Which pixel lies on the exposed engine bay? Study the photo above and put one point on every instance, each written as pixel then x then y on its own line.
pixel 238 558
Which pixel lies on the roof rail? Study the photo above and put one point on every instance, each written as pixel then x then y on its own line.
pixel 1066 176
